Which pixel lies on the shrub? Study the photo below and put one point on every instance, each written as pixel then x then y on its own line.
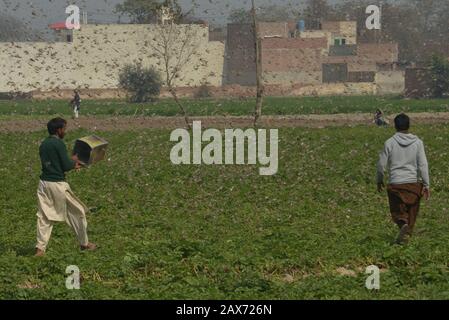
pixel 144 84
pixel 203 92
pixel 439 67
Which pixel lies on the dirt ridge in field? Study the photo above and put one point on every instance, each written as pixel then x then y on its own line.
pixel 127 123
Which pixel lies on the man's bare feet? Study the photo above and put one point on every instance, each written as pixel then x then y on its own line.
pixel 89 247
pixel 39 253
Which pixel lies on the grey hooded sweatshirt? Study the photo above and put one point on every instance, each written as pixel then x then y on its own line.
pixel 406 160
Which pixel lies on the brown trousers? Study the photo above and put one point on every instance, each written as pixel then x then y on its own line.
pixel 404 202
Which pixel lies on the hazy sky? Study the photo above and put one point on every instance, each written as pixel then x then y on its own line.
pixel 38 14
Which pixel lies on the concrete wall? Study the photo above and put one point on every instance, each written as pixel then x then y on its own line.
pixel 390 82
pixel 97 55
pixel 28 66
pixel 227 91
pixel 273 29
pixel 331 89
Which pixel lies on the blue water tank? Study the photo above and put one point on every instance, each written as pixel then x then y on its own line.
pixel 301 26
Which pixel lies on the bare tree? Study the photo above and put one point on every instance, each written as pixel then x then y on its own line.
pixel 269 13
pixel 315 12
pixel 175 46
pixel 147 11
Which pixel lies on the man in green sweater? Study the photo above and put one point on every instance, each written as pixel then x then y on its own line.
pixel 56 201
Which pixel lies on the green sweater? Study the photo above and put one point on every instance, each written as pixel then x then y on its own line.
pixel 55 160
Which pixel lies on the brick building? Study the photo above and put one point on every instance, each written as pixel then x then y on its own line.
pixel 325 57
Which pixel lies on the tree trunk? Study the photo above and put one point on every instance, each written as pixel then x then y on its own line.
pixel 259 84
pixel 259 80
pixel 183 110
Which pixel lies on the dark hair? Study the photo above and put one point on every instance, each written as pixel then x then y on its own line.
pixel 54 124
pixel 402 122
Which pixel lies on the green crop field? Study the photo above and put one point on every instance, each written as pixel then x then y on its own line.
pixel 225 232
pixel 214 107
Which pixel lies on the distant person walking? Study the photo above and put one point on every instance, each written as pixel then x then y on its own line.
pixel 76 104
pixel 56 201
pixel 408 170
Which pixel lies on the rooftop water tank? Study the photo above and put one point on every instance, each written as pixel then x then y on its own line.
pixel 301 26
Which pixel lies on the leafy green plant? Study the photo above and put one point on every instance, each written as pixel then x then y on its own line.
pixel 143 83
pixel 234 107
pixel 439 67
pixel 239 235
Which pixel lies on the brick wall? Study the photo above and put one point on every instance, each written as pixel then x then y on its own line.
pixel 378 52
pixel 241 54
pixel 296 43
pixel 368 57
pixel 317 34
pixel 293 61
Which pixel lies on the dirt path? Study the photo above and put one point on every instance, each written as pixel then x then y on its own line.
pixel 133 123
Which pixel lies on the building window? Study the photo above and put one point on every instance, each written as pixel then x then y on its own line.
pixel 340 41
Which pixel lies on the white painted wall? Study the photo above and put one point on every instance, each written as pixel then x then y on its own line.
pixel 97 55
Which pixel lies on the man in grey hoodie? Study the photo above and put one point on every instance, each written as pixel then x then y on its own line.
pixel 406 160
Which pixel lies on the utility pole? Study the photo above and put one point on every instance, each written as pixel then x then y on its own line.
pixel 259 80
pixel 379 32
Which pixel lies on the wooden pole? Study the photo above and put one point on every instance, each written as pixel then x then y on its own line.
pixel 259 80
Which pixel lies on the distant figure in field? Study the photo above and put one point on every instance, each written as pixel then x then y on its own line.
pixel 379 119
pixel 406 160
pixel 76 104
